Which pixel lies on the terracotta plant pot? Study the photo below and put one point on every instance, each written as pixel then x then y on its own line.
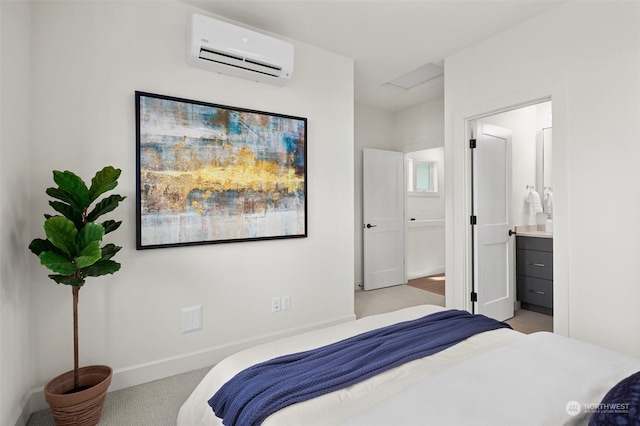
pixel 83 407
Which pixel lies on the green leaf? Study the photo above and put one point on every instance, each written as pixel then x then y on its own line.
pixel 92 232
pixel 39 245
pixel 111 225
pixel 72 248
pixel 109 251
pixel 68 279
pixel 89 255
pixel 65 196
pixel 101 267
pixel 62 234
pixel 105 180
pixel 105 206
pixel 71 183
pixel 57 263
pixel 68 211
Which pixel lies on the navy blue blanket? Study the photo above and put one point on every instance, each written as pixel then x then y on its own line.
pixel 261 390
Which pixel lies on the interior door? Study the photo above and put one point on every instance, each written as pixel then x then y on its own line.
pixel 383 213
pixel 493 243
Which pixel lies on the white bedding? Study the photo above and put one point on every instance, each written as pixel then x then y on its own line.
pixel 495 378
pixel 339 406
pixel 527 382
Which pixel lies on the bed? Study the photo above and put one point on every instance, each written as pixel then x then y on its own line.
pixel 498 377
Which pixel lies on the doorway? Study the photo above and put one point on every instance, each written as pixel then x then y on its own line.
pixel 524 261
pixel 425 223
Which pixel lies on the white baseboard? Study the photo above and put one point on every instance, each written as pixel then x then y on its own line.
pixel 143 373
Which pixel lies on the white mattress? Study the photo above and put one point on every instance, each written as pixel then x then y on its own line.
pixel 339 406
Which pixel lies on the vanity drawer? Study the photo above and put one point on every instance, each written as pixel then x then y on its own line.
pixel 537 264
pixel 534 243
pixel 535 291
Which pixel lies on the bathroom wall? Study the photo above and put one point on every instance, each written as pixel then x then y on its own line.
pixel 425 235
pixel 526 125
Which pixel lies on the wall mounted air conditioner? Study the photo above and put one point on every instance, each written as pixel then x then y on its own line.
pixel 229 49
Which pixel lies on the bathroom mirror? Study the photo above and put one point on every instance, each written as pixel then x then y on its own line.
pixel 544 158
pixel 547 151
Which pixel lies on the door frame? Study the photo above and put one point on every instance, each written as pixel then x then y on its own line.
pixel 458 192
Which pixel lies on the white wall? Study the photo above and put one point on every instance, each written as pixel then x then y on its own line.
pixel 88 59
pixel 15 191
pixel 373 129
pixel 425 248
pixel 420 127
pixel 586 56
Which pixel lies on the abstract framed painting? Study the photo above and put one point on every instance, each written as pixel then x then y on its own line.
pixel 209 173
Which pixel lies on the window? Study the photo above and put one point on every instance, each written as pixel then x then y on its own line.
pixel 422 176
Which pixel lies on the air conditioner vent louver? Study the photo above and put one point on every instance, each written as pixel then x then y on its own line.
pixel 228 49
pixel 239 62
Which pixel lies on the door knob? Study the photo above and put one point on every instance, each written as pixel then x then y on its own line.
pixel 368 225
pixel 512 232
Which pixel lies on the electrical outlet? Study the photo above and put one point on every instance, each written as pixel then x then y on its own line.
pixel 286 303
pixel 275 304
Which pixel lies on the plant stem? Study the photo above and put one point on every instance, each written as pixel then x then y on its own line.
pixel 76 376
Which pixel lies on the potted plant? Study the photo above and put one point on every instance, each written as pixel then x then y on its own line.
pixel 73 252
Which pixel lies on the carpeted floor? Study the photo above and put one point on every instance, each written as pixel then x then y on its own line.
pixel 151 404
pixel 393 298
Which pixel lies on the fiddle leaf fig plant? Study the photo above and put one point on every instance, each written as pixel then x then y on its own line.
pixel 72 249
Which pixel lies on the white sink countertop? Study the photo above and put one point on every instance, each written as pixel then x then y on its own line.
pixel 533 231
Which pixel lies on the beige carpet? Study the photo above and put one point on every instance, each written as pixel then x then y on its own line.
pixel 390 299
pixel 151 404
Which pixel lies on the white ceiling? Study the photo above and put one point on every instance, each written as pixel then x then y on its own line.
pixel 385 38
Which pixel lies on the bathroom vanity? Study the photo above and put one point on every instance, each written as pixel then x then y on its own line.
pixel 534 269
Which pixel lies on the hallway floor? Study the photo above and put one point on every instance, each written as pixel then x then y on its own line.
pixel 430 290
pixel 390 299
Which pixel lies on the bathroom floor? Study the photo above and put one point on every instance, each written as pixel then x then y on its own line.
pixel 434 283
pixel 529 322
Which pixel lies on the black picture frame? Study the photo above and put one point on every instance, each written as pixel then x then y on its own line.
pixel 209 173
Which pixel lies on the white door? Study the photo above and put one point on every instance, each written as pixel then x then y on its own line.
pixel 493 244
pixel 383 213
